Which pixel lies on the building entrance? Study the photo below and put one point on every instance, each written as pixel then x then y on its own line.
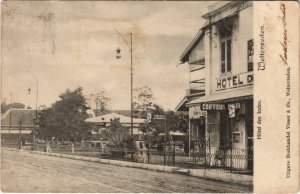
pixel 198 142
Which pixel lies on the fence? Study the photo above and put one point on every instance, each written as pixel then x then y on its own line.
pixel 224 158
pixel 220 158
pixel 10 143
pixel 168 156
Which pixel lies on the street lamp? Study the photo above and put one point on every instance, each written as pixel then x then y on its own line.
pixel 118 56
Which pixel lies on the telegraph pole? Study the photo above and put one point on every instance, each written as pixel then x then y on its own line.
pixel 10 116
pixel 131 84
pixel 131 79
pixel 20 128
pixel 36 112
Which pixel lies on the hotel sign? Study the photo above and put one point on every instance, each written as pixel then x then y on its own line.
pixel 195 112
pixel 234 81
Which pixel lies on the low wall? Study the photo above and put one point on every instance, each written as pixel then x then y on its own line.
pixel 113 162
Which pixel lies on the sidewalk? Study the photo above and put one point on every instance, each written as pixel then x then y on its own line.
pixel 201 173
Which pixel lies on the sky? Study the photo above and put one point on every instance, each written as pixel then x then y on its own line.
pixel 67 44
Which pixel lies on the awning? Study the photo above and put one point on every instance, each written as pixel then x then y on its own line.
pixel 182 105
pixel 226 96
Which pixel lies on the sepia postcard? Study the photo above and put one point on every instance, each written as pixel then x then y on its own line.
pixel 150 96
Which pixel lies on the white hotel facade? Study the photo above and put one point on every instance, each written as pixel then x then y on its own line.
pixel 220 97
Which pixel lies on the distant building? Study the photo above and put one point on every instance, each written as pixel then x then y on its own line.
pixel 121 112
pixel 103 122
pixel 220 96
pixel 16 123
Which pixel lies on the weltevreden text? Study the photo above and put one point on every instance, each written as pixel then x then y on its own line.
pixel 261 65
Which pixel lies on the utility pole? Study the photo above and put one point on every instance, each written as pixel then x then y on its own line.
pixel 10 116
pixel 131 83
pixel 20 128
pixel 131 79
pixel 36 112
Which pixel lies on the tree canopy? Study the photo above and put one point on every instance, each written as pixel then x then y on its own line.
pixel 143 100
pixel 100 99
pixel 65 119
pixel 174 121
pixel 143 104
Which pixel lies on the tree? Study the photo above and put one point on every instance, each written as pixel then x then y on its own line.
pixel 100 100
pixel 174 121
pixel 65 119
pixel 143 100
pixel 118 138
pixel 116 134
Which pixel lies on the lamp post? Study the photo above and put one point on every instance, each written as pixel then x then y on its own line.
pixel 20 126
pixel 10 117
pixel 118 56
pixel 36 111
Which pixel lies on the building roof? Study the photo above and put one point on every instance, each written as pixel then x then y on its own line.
pixel 213 10
pixel 185 55
pixel 121 112
pixel 108 117
pixel 219 7
pixel 13 116
pixel 182 105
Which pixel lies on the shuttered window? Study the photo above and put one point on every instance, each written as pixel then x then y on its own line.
pixel 250 53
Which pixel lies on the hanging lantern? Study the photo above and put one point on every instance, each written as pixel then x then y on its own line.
pixel 118 56
pixel 29 90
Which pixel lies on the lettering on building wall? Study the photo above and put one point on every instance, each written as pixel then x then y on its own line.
pixel 206 106
pixel 234 81
pixel 195 112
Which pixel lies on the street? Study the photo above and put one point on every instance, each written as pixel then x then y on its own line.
pixel 22 171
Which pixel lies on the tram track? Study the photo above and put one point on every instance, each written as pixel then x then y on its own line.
pixel 63 174
pixel 148 180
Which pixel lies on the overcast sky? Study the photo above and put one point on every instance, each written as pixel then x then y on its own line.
pixel 65 44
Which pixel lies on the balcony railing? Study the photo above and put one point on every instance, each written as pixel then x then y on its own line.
pixel 196 87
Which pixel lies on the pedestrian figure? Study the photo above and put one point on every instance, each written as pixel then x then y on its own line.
pixel 73 150
pixel 48 148
pixel 20 145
